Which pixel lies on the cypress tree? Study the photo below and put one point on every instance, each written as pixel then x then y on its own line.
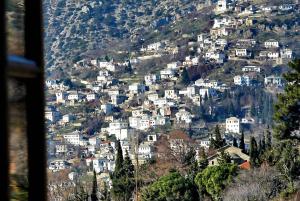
pixel 95 188
pixel 234 143
pixel 242 143
pixel 185 79
pixel 105 195
pixel 253 152
pixel 203 161
pixel 218 141
pixel 128 178
pixel 263 143
pixel 268 139
pixel 119 159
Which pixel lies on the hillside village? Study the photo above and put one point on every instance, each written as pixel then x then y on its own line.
pixel 165 98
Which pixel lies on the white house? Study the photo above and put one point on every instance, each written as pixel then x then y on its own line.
pixel 241 80
pixel 173 65
pixel 273 80
pixel 67 118
pixel 58 165
pixel 207 91
pixel 251 69
pixel 242 52
pixel 152 138
pixel 52 116
pixel 61 97
pixel 167 74
pixel 154 46
pixel 136 88
pixel 108 65
pixel 171 94
pixel 151 79
pixel 125 134
pixel 107 108
pixel 271 43
pixel 201 37
pixel 222 6
pixel 146 150
pixel 73 137
pixel 73 96
pixel 153 96
pixel 215 55
pixel 91 96
pixel 116 126
pixel 184 116
pixel 286 53
pixel 233 125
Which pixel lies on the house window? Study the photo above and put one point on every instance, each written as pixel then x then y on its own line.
pixel 21 101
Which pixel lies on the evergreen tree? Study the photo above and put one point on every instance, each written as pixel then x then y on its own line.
pixel 268 139
pixel 105 196
pixel 254 155
pixel 263 143
pixel 218 141
pixel 185 79
pixel 242 143
pixel 119 159
pixel 223 158
pixel 95 188
pixel 79 195
pixel 128 178
pixel 234 143
pixel 287 116
pixel 205 98
pixel 203 161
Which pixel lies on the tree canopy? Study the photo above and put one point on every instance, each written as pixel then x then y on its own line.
pixel 172 186
pixel 287 118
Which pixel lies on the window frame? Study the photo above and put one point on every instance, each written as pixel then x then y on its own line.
pixel 30 70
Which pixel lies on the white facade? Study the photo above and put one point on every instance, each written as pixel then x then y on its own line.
pixel 233 125
pixel 52 116
pixel 167 73
pixel 241 80
pixel 185 116
pixel 107 108
pixel 271 44
pixel 61 97
pixel 241 52
pixel 136 88
pixel 151 79
pixel 251 69
pixel 286 53
pixel 171 94
pixel 273 80
pixel 58 165
pixel 116 126
pixel 207 91
pixel 73 138
pixel 90 97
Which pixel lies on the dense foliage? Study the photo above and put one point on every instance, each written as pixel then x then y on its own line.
pixel 287 116
pixel 171 187
pixel 213 179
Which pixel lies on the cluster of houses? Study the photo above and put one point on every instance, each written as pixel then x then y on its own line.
pixel 157 106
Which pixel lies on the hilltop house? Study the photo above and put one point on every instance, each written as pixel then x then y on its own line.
pixel 241 80
pixel 233 125
pixel 236 155
pixel 271 43
pixel 273 80
pixel 184 116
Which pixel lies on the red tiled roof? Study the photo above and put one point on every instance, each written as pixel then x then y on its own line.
pixel 245 166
